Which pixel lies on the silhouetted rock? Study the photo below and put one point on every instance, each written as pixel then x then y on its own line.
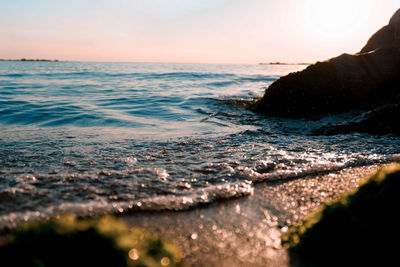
pixel 347 82
pixel 385 36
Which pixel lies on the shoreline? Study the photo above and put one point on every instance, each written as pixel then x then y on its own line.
pixel 247 230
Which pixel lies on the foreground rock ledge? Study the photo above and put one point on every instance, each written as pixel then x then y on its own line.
pixel 358 229
pixel 68 241
pixel 367 79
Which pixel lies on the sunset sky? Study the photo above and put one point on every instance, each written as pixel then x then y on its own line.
pixel 202 31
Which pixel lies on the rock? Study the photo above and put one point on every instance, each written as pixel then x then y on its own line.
pixel 340 84
pixel 358 229
pixel 386 36
pixel 380 121
pixel 67 241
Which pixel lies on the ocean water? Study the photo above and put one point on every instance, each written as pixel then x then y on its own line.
pixel 94 138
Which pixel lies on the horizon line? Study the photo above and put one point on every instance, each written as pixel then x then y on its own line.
pixel 275 62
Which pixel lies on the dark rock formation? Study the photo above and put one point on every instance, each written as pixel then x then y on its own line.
pixel 67 241
pixel 359 229
pixel 385 36
pixel 367 79
pixel 380 121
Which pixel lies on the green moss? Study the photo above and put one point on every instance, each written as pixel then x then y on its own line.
pixel 67 241
pixel 359 229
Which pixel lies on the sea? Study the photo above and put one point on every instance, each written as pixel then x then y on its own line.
pixel 111 138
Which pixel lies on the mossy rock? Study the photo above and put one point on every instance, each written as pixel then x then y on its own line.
pixel 67 241
pixel 359 229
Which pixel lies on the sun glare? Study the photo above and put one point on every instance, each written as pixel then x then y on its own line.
pixel 332 19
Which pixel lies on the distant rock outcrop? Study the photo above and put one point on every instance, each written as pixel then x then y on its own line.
pixel 368 79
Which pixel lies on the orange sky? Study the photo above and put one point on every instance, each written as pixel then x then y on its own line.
pixel 206 31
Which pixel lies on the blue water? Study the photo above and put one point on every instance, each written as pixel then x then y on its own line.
pixel 148 98
pixel 91 138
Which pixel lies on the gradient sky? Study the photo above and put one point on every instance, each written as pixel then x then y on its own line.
pixel 203 31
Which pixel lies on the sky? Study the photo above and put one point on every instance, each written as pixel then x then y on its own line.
pixel 189 31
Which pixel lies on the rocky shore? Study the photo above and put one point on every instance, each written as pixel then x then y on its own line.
pixel 239 232
pixel 272 226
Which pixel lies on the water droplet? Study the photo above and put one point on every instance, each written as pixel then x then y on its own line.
pixel 165 261
pixel 133 254
pixel 194 236
pixel 237 208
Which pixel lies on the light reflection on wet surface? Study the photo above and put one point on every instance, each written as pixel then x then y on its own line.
pixel 98 173
pixel 226 237
pixel 94 138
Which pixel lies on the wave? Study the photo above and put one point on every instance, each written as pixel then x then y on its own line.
pixel 154 75
pixel 149 75
pixel 172 202
pixel 159 203
pixel 266 175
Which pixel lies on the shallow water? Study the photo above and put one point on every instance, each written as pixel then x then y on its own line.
pixel 92 138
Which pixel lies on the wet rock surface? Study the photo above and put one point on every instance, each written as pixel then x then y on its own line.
pixel 379 121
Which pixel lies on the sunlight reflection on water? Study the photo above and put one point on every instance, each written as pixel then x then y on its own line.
pixel 91 138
